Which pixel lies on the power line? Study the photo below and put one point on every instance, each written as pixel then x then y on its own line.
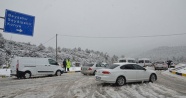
pixel 144 36
pixel 49 40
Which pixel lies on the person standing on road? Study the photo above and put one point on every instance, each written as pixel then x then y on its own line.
pixel 19 73
pixel 68 64
pixel 64 64
pixel 169 63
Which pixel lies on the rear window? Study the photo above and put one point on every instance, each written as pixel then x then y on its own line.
pixel 160 62
pixel 122 61
pixel 147 61
pixel 112 66
pixel 131 61
pixel 140 61
pixel 89 65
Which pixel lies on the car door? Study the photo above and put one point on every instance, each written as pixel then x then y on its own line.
pixel 129 72
pixel 41 66
pixel 141 73
pixel 52 67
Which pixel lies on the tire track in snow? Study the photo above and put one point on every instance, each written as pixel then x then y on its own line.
pixel 102 90
pixel 162 91
pixel 146 91
pixel 87 87
pixel 81 88
pixel 63 88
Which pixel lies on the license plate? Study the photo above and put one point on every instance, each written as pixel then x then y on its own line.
pixel 98 78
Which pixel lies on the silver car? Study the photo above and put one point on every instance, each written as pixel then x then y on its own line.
pixel 90 69
pixel 160 65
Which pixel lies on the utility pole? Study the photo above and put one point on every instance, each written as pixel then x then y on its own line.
pixel 56 47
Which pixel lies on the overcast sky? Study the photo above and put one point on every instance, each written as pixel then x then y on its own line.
pixel 102 18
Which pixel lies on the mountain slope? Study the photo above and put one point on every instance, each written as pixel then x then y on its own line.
pixel 9 48
pixel 176 53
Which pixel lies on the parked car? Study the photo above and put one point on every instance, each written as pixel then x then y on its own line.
pixel 121 73
pixel 91 68
pixel 76 66
pixel 160 65
pixel 144 62
pixel 126 60
pixel 172 65
pixel 28 67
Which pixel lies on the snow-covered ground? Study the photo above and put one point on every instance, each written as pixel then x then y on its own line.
pixel 182 71
pixel 174 75
pixel 76 85
pixel 180 65
pixel 89 88
pixel 180 68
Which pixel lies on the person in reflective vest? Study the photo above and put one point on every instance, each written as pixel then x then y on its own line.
pixel 68 64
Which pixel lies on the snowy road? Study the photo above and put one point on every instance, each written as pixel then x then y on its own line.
pixel 76 85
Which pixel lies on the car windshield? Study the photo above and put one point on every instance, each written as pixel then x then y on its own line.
pixel 160 62
pixel 89 65
pixel 112 66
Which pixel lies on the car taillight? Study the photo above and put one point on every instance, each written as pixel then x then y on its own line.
pixel 89 68
pixel 106 72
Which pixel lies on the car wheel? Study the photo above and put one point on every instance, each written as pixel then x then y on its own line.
pixel 120 81
pixel 152 78
pixel 27 75
pixel 58 73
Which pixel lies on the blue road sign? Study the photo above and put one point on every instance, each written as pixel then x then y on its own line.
pixel 19 23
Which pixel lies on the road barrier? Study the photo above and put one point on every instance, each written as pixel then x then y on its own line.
pixel 174 72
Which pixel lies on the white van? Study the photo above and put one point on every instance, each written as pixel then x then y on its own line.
pixel 144 62
pixel 126 60
pixel 29 66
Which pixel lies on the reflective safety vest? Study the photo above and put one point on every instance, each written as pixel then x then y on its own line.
pixel 68 63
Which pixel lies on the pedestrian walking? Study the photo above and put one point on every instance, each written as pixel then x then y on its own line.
pixel 68 64
pixel 64 64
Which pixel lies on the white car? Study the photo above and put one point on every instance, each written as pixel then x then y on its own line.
pixel 91 68
pixel 126 60
pixel 121 73
pixel 144 62
pixel 160 65
pixel 30 66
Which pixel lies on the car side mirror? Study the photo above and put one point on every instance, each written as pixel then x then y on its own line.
pixel 144 69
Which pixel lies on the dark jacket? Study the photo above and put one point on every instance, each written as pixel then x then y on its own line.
pixel 64 63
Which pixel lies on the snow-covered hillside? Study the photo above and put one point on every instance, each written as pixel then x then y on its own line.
pixel 9 48
pixel 177 53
